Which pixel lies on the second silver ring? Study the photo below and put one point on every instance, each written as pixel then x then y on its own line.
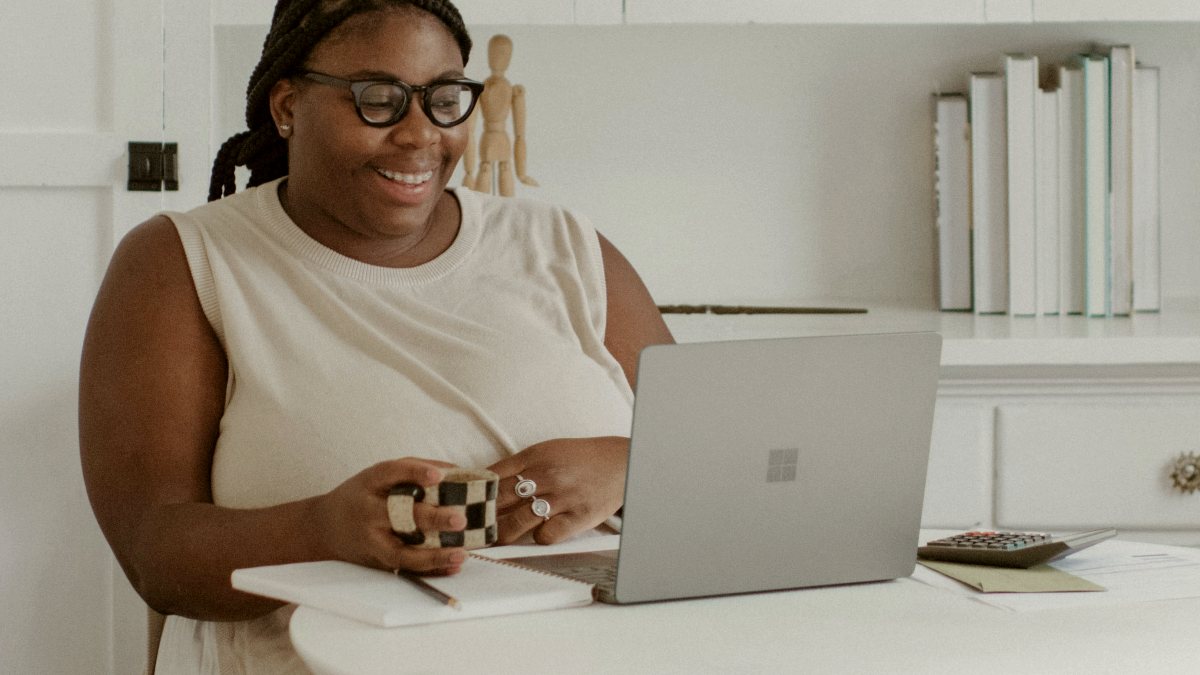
pixel 541 508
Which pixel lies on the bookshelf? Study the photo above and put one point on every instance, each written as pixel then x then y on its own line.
pixel 829 195
pixel 1163 339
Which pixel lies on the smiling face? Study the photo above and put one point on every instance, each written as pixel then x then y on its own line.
pixel 374 194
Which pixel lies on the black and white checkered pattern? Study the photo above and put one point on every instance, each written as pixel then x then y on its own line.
pixel 476 498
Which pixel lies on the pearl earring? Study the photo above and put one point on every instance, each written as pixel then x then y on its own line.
pixel 285 128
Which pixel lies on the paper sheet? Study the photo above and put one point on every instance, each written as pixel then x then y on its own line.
pixel 1129 572
pixel 1037 579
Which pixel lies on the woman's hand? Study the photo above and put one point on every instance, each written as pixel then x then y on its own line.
pixel 582 479
pixel 353 520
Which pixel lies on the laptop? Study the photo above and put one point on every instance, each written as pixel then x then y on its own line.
pixel 770 464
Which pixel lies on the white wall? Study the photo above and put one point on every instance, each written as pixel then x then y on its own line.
pixel 764 163
pixel 68 106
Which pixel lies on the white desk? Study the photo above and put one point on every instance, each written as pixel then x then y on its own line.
pixel 901 626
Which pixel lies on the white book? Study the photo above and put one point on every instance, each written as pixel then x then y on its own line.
pixel 1120 86
pixel 1147 242
pixel 952 190
pixel 484 587
pixel 1095 182
pixel 1070 190
pixel 989 193
pixel 1021 97
pixel 1047 203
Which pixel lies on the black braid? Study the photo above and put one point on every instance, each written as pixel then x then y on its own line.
pixel 296 28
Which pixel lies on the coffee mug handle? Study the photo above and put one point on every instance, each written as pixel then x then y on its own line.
pixel 400 512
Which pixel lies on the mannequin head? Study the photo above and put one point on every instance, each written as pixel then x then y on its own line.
pixel 499 53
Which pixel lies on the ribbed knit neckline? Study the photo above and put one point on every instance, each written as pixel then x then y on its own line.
pixel 288 233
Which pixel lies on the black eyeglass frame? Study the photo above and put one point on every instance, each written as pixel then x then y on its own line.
pixel 357 87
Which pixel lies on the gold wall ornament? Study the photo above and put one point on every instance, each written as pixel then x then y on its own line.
pixel 1186 472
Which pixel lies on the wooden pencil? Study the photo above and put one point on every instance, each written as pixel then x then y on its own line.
pixel 429 589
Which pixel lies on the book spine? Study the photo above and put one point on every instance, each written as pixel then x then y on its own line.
pixel 952 197
pixel 989 201
pixel 1121 65
pixel 1071 190
pixel 1147 295
pixel 1047 203
pixel 1021 90
pixel 1096 202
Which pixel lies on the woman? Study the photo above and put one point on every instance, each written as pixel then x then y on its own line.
pixel 253 369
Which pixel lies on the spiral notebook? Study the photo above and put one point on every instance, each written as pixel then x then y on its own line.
pixel 484 587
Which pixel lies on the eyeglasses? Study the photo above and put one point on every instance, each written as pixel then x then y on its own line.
pixel 382 103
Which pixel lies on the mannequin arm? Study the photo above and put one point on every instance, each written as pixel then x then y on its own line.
pixel 518 116
pixel 469 157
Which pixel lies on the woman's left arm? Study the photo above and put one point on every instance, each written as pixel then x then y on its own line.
pixel 583 479
pixel 634 321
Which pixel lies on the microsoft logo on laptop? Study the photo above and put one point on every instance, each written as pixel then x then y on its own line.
pixel 781 465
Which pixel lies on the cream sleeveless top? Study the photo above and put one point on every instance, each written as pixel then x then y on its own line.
pixel 335 365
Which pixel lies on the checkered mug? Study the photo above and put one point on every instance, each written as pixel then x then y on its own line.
pixel 472 491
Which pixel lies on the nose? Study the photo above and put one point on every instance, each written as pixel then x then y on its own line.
pixel 414 129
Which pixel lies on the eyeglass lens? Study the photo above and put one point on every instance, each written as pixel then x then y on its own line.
pixel 446 103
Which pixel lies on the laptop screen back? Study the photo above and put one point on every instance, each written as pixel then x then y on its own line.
pixel 778 463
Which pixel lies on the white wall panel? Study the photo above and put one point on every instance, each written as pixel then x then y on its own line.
pixel 1067 466
pixel 55 579
pixel 958 489
pixel 82 78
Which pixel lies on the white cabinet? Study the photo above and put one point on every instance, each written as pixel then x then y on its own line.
pixel 958 487
pixel 1086 463
pixel 1044 424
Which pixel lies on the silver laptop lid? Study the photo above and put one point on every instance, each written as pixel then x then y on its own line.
pixel 778 463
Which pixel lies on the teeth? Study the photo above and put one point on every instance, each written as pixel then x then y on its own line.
pixel 406 178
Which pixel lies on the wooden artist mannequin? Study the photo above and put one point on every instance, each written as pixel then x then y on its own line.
pixel 497 155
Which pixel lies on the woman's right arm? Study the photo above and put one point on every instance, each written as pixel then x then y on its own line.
pixel 152 393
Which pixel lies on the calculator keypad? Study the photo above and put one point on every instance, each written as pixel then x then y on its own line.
pixel 1009 549
pixel 1004 541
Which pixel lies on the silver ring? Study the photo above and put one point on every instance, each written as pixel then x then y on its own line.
pixel 524 487
pixel 541 508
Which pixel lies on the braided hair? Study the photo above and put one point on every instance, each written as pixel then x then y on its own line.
pixel 296 28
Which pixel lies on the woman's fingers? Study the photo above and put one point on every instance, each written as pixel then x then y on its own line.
pixel 512 470
pixel 427 560
pixel 439 518
pixel 560 527
pixel 430 520
pixel 355 517
pixel 516 521
pixel 383 476
pixel 561 524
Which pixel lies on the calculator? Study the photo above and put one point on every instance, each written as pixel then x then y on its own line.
pixel 1010 549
